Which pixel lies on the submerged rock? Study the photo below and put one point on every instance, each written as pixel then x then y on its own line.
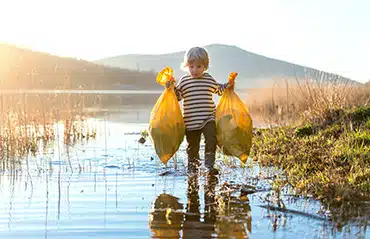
pixel 247 189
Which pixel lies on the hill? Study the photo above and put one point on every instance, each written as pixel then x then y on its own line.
pixel 254 70
pixel 26 69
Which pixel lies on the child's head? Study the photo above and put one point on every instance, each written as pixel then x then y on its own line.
pixel 196 61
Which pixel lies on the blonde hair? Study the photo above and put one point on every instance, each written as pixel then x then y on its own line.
pixel 196 54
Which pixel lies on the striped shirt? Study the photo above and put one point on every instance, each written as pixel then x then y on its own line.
pixel 197 93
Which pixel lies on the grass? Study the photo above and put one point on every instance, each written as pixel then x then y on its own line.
pixel 324 147
pixel 26 128
pixel 319 158
pixel 292 100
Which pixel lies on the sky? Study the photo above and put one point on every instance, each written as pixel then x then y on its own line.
pixel 329 35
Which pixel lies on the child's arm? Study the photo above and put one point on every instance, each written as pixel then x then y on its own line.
pixel 178 93
pixel 220 88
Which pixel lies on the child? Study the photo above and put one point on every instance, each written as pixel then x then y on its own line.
pixel 196 89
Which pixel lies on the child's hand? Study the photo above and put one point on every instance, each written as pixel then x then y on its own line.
pixel 230 85
pixel 171 81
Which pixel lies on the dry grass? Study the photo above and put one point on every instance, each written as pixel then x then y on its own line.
pixel 291 100
pixel 28 123
pixel 322 142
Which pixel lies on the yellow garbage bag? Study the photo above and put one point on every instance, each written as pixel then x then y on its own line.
pixel 233 124
pixel 167 127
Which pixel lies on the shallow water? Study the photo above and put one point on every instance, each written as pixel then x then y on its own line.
pixel 114 187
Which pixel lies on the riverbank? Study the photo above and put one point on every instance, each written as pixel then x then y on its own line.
pixel 326 158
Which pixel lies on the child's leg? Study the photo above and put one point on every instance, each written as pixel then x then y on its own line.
pixel 210 139
pixel 193 139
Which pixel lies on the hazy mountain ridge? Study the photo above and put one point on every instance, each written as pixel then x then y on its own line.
pixel 254 70
pixel 26 69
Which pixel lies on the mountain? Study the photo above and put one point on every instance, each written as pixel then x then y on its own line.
pixel 27 69
pixel 253 70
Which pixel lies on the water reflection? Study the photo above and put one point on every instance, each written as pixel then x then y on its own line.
pixel 104 187
pixel 167 218
pixel 234 218
pixel 194 226
pixel 222 217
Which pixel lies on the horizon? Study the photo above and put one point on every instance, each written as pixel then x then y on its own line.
pixel 330 36
pixel 159 54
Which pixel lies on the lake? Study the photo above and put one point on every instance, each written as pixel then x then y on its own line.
pixel 112 186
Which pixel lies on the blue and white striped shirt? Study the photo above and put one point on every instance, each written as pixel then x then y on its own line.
pixel 198 106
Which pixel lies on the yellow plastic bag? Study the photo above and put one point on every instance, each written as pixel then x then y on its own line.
pixel 234 124
pixel 167 127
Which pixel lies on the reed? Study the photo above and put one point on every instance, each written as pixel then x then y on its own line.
pixel 28 122
pixel 289 101
pixel 321 142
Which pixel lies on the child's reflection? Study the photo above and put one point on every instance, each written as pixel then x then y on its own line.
pixel 168 219
pixel 194 227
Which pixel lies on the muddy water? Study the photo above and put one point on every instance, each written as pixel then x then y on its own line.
pixel 115 187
